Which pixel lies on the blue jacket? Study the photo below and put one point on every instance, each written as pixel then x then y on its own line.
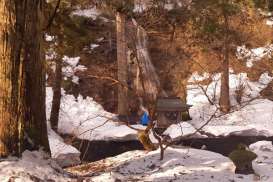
pixel 144 120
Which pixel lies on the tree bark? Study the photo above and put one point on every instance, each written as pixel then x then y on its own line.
pixel 224 95
pixel 122 65
pixel 34 69
pixel 55 110
pixel 22 77
pixel 11 103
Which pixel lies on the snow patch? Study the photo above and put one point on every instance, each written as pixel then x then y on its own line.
pixel 181 129
pixel 49 38
pixel 269 22
pixel 93 46
pixel 33 166
pixel 253 55
pixel 139 7
pixel 71 68
pixel 89 13
pixel 263 165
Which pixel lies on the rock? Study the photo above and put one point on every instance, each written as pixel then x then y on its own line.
pixel 68 159
pixel 242 159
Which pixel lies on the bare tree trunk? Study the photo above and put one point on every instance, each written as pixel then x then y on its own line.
pixel 55 110
pixel 34 70
pixel 122 65
pixel 224 95
pixel 56 101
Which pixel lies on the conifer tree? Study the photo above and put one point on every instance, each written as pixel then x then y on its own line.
pixel 212 19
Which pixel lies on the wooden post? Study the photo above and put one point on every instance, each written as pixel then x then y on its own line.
pixel 122 65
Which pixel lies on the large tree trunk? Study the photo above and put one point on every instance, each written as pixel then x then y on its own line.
pixel 34 70
pixel 122 65
pixel 224 95
pixel 9 87
pixel 22 77
pixel 55 110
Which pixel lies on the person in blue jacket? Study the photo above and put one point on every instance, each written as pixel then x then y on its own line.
pixel 144 119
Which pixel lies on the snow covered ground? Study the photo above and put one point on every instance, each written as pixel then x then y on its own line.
pixel 64 154
pixel 33 166
pixel 254 116
pixel 179 164
pixel 86 119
